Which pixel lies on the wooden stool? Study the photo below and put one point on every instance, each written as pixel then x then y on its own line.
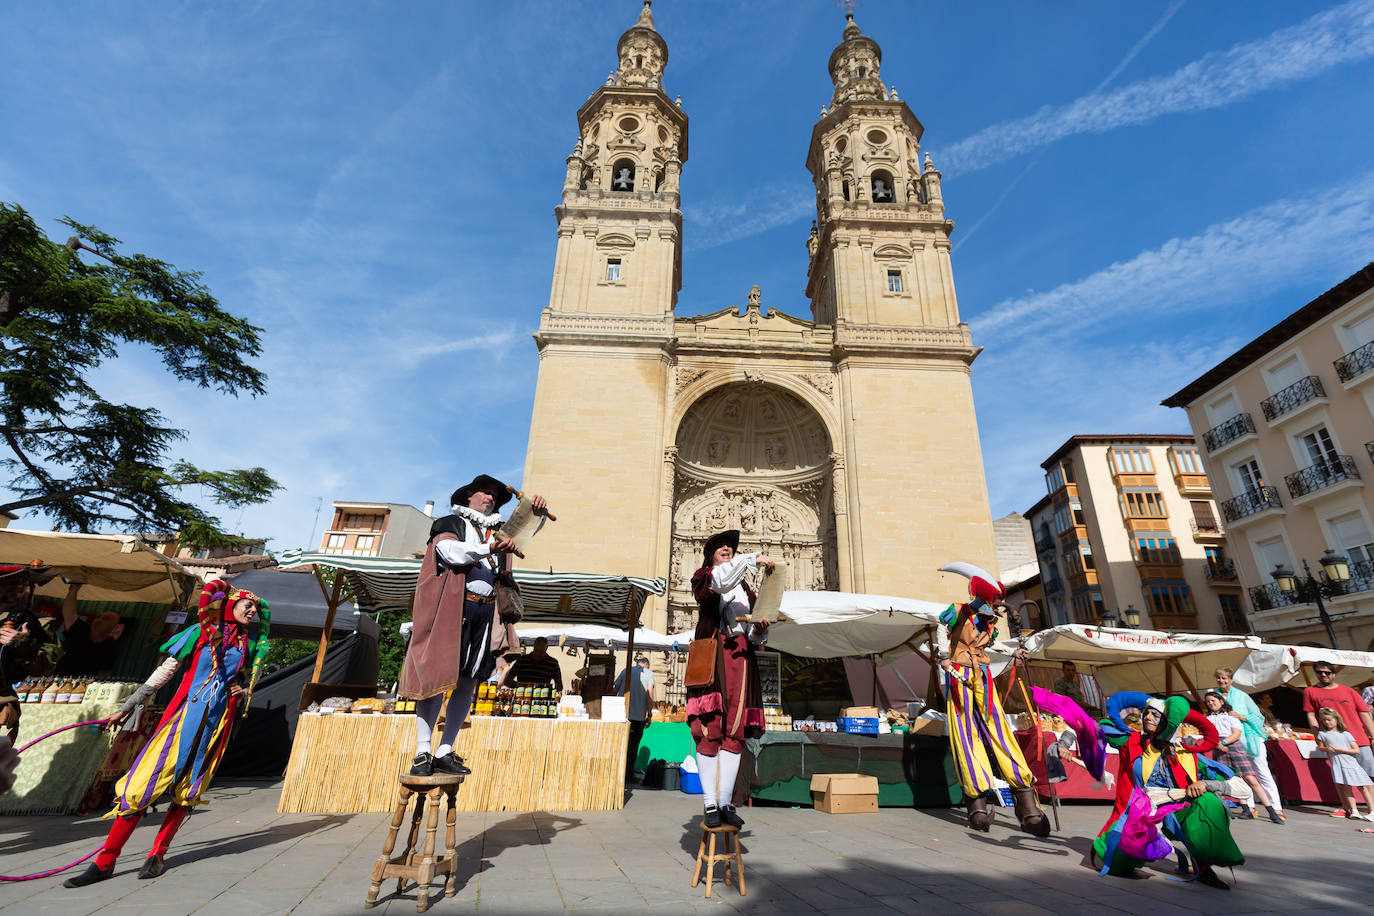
pixel 710 857
pixel 414 866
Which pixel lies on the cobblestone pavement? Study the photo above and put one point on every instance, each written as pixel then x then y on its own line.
pixel 239 856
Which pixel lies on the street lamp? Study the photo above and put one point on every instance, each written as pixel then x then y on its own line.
pixel 1108 620
pixel 1335 572
pixel 1131 617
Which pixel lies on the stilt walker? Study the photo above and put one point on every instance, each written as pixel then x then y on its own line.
pixel 980 736
pixel 728 707
pixel 223 652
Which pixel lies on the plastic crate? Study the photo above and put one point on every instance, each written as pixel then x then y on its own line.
pixel 858 726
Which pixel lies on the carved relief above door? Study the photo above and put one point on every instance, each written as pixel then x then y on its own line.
pixel 752 457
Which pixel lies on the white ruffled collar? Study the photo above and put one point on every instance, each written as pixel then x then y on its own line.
pixel 472 515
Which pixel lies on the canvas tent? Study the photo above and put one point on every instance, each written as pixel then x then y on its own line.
pixel 599 637
pixel 1271 666
pixel 1148 660
pixel 115 567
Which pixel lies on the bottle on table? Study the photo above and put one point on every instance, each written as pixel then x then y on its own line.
pixel 49 694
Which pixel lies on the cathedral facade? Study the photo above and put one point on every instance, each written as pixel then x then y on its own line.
pixel 845 444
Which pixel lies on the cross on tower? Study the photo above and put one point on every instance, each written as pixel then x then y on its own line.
pixel 849 6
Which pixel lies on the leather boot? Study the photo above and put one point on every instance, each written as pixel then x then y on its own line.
pixel 1033 820
pixel 979 815
pixel 91 875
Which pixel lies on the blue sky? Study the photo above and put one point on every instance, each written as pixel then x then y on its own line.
pixel 1138 189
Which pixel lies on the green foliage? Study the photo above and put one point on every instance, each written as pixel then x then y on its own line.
pixel 391 649
pixel 86 462
pixel 283 652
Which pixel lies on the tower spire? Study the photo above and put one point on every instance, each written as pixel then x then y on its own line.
pixel 643 53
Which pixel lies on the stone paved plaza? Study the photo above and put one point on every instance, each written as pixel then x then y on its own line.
pixel 240 856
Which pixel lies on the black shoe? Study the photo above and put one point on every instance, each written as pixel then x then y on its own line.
pixel 730 816
pixel 424 765
pixel 153 867
pixel 91 875
pixel 712 818
pixel 1209 877
pixel 451 764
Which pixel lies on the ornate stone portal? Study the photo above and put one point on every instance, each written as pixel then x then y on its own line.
pixel 753 457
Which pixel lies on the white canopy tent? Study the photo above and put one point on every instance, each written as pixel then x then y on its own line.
pixel 1270 666
pixel 1148 660
pixel 599 637
pixel 115 567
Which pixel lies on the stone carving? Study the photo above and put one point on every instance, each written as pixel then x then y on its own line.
pixel 822 382
pixel 718 448
pixel 732 408
pixel 755 294
pixel 775 451
pixel 768 411
pixel 774 521
pixel 685 377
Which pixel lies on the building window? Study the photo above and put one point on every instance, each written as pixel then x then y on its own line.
pixel 1321 451
pixel 1231 615
pixel 1139 503
pixel 894 281
pixel 1132 461
pixel 1248 477
pixel 1152 548
pixel 365 542
pixel 355 521
pixel 1059 475
pixel 1186 461
pixel 613 270
pixel 1067 515
pixel 336 541
pixel 1352 536
pixel 1171 600
pixel 623 175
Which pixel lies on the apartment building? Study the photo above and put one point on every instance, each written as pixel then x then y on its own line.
pixel 1127 535
pixel 361 529
pixel 1287 427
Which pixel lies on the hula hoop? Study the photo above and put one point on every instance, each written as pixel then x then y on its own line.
pixel 54 871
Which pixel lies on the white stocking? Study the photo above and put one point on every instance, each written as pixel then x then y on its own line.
pixel 426 714
pixel 706 766
pixel 459 705
pixel 727 769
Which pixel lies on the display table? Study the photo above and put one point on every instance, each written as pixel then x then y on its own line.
pixel 912 770
pixel 668 741
pixel 1079 785
pixel 1302 773
pixel 348 763
pixel 56 772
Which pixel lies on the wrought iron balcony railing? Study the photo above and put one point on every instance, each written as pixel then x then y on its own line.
pixel 1044 544
pixel 1268 596
pixel 1251 502
pixel 1355 363
pixel 1321 475
pixel 1223 571
pixel 1369 449
pixel 1295 395
pixel 1228 431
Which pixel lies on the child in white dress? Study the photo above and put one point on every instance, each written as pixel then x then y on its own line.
pixel 1346 772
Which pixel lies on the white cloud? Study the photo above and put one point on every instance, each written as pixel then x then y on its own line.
pixel 711 224
pixel 1323 233
pixel 1328 39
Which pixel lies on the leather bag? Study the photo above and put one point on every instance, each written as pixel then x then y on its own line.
pixel 510 607
pixel 701 662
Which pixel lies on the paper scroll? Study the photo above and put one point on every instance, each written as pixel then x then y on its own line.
pixel 523 524
pixel 768 605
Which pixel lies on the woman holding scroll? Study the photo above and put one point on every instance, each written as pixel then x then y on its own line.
pixel 724 703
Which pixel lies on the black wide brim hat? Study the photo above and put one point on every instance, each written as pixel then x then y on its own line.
pixel 482 482
pixel 717 541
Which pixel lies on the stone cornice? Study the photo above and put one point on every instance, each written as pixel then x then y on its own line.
pixel 637 330
pixel 905 342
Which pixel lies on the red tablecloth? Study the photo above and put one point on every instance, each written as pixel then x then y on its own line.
pixel 1078 785
pixel 1299 779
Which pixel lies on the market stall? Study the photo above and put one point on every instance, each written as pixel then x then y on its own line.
pixel 1147 660
pixel 1270 666
pixel 148 591
pixel 344 762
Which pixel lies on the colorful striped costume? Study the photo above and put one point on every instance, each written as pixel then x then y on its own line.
pixel 979 732
pixel 180 759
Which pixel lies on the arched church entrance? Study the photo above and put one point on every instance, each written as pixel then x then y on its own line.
pixel 752 456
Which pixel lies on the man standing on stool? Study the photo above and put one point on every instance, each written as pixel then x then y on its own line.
pixel 457 636
pixel 723 714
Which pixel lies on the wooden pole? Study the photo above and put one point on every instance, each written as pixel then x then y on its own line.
pixel 333 600
pixel 1168 679
pixel 1187 680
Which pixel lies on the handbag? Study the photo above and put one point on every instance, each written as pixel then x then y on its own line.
pixel 701 662
pixel 510 607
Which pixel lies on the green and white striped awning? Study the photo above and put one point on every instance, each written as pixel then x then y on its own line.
pixel 550 597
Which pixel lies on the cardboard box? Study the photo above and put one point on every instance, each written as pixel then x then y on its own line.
pixel 934 727
pixel 859 712
pixel 844 793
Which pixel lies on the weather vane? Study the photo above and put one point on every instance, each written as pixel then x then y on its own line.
pixel 849 6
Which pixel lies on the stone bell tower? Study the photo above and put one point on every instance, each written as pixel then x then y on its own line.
pixel 605 338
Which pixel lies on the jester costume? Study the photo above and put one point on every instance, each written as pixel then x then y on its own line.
pixel 180 759
pixel 1151 796
pixel 981 738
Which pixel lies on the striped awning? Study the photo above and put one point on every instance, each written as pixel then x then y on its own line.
pixel 550 597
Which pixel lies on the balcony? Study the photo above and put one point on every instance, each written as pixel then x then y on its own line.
pixel 1054 586
pixel 1045 543
pixel 1294 400
pixel 1268 596
pixel 1251 504
pixel 1206 529
pixel 1322 476
pixel 1355 364
pixel 1221 572
pixel 1228 433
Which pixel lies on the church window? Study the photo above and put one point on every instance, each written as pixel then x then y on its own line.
pixel 613 270
pixel 623 175
pixel 894 281
pixel 845 188
pixel 877 137
pixel 883 192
